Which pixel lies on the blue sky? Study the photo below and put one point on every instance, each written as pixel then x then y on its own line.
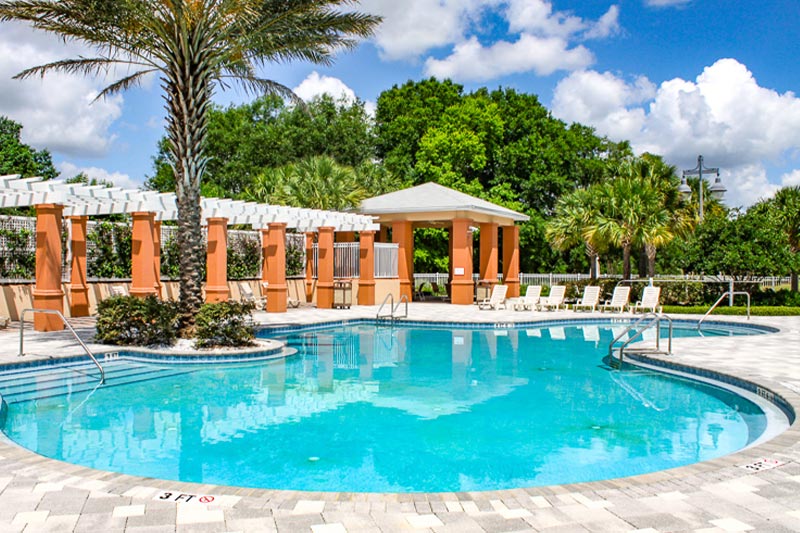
pixel 675 77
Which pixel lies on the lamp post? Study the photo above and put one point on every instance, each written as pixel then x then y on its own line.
pixel 717 189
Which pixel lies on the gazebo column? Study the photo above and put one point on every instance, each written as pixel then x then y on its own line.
pixel 366 280
pixel 309 266
pixel 462 286
pixel 78 289
pixel 47 293
pixel 143 281
pixel 157 255
pixel 488 251
pixel 276 275
pixel 511 260
pixel 325 268
pixel 403 235
pixel 264 261
pixel 217 261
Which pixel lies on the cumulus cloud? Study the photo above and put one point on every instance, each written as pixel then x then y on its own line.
pixel 56 112
pixel 540 39
pixel 723 114
pixel 69 170
pixel 474 62
pixel 791 179
pixel 315 85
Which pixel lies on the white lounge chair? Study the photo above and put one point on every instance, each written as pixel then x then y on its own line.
pixel 649 302
pixel 619 299
pixel 249 296
pixel 590 299
pixel 554 300
pixel 496 299
pixel 530 300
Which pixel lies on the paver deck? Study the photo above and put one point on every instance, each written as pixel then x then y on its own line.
pixel 39 494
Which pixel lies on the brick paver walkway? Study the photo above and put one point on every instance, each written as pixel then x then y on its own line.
pixel 39 494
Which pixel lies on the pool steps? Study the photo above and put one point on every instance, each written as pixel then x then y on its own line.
pixel 21 385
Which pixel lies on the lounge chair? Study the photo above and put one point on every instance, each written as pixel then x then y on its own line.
pixel 496 299
pixel 649 302
pixel 619 299
pixel 118 290
pixel 554 300
pixel 530 300
pixel 249 296
pixel 590 299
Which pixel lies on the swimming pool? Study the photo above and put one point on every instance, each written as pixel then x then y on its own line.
pixel 367 408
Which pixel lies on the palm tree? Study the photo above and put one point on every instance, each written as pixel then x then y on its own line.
pixel 787 211
pixel 195 46
pixel 576 215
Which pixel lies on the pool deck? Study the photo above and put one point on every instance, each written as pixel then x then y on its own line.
pixel 39 494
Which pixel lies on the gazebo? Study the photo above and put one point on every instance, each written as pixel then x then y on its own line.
pixel 434 206
pixel 54 199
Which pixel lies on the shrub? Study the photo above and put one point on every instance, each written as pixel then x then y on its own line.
pixel 295 259
pixel 224 324
pixel 111 257
pixel 127 320
pixel 732 311
pixel 244 257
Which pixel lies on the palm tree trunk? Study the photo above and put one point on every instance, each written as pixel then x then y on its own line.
pixel 188 96
pixel 626 261
pixel 650 251
pixel 592 253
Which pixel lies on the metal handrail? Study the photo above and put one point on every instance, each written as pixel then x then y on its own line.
pixel 389 298
pixel 403 299
pixel 724 294
pixel 655 320
pixel 69 327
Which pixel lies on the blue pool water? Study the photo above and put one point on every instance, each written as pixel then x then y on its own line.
pixel 379 409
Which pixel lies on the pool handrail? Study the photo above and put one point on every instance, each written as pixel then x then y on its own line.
pixel 392 307
pixel 655 320
pixel 69 327
pixel 730 294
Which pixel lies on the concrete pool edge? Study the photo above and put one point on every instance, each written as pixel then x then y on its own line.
pixel 123 483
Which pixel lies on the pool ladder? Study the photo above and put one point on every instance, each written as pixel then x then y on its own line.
pixel 647 321
pixel 393 314
pixel 69 327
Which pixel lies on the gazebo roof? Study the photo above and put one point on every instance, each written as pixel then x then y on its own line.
pixel 432 202
pixel 81 200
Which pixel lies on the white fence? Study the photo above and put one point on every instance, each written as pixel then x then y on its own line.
pixel 346 264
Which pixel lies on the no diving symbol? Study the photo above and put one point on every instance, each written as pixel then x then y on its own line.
pixel 206 499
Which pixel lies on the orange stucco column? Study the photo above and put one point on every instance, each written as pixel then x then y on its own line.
pixel 309 266
pixel 47 293
pixel 403 235
pixel 217 261
pixel 488 251
pixel 143 282
pixel 157 255
pixel 276 274
pixel 366 278
pixel 462 286
pixel 325 268
pixel 384 234
pixel 511 259
pixel 78 289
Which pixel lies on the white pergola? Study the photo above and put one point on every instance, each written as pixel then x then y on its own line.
pixel 93 200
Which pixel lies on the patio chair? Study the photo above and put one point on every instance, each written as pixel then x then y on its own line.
pixel 619 299
pixel 249 296
pixel 649 302
pixel 530 300
pixel 554 300
pixel 496 299
pixel 590 299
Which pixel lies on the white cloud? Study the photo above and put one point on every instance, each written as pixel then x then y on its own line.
pixel 69 170
pixel 470 61
pixel 537 16
pixel 791 179
pixel 724 114
pixel 606 26
pixel 316 85
pixel 666 3
pixel 56 112
pixel 412 27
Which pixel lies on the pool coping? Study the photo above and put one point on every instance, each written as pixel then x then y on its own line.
pixel 722 467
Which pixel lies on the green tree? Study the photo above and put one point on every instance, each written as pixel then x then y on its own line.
pixel 784 211
pixel 194 46
pixel 19 158
pixel 576 216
